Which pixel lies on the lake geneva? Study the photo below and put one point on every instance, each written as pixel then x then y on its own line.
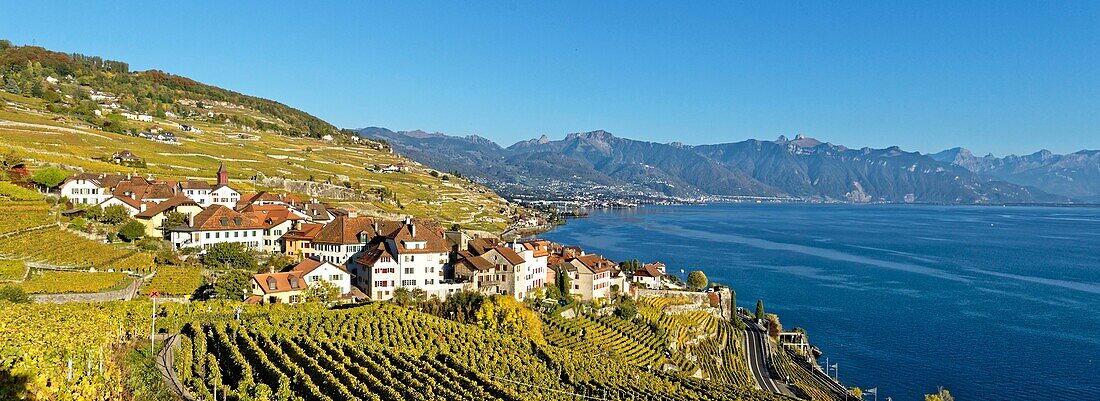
pixel 993 303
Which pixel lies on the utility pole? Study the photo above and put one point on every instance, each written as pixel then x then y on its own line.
pixel 153 325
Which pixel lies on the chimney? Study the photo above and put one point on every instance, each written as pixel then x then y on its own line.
pixel 353 214
pixel 144 206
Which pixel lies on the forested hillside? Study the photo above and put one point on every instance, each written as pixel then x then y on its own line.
pixel 26 69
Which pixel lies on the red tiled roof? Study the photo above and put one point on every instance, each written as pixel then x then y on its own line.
pixel 596 263
pixel 189 184
pixel 309 264
pixel 270 215
pixel 306 231
pixel 648 270
pixel 284 282
pixel 476 263
pixel 175 201
pixel 344 230
pixel 218 217
pixel 509 255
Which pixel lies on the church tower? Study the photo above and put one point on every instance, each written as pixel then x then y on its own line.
pixel 223 176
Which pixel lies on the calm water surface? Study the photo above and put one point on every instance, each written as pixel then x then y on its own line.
pixel 992 303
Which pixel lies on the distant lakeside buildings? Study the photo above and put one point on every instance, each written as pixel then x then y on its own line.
pixel 364 257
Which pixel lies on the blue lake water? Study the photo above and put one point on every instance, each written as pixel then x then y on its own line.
pixel 993 303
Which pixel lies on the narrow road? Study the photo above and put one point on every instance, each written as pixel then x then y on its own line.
pixel 166 362
pixel 758 351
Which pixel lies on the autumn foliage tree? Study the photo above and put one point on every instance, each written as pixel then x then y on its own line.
pixel 697 280
pixel 506 315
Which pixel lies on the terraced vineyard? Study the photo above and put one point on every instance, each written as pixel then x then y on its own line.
pixel 384 352
pixel 175 281
pixel 691 344
pixel 61 282
pixel 21 215
pixel 59 247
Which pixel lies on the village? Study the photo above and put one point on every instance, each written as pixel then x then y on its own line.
pixel 363 257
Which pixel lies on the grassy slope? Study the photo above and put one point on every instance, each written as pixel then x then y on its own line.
pixel 273 155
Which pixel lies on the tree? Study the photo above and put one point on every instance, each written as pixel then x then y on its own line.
pixel 14 294
pixel 114 214
pixel 630 266
pixel 131 231
pixel 276 262
pixel 627 309
pixel 93 213
pixel 563 283
pixel 941 395
pixel 857 392
pixel 173 219
pixel 49 177
pixel 402 296
pixel 697 280
pixel 232 254
pixel 504 314
pixel 323 292
pixel 774 327
pixel 232 284
pixel 760 309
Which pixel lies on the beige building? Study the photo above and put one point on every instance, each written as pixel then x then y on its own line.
pixel 589 276
pixel 153 216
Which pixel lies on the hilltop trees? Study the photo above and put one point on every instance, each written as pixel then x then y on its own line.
pixel 697 280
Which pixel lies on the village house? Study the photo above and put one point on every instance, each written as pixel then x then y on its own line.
pixel 278 288
pixel 315 271
pixel 589 276
pixel 410 254
pixel 276 220
pixel 198 191
pixel 218 224
pixel 132 205
pixel 513 269
pixel 649 275
pixel 89 188
pixel 222 194
pixel 342 238
pixel 153 216
pixel 298 242
pixel 125 157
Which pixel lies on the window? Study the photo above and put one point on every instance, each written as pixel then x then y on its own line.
pixel 207 235
pixel 314 278
pixel 236 234
pixel 429 282
pixel 271 284
pixel 334 277
pixel 429 269
pixel 408 283
pixel 217 235
pixel 410 270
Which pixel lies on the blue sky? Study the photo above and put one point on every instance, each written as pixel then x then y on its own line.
pixel 1002 77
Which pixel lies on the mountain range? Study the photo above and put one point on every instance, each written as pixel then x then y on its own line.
pixel 1075 175
pixel 598 162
